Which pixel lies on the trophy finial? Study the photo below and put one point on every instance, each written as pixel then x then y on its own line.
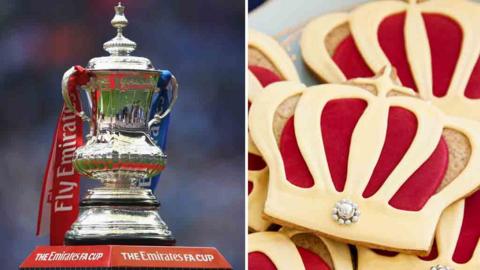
pixel 119 45
pixel 119 21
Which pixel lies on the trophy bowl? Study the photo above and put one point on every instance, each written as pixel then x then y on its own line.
pixel 119 151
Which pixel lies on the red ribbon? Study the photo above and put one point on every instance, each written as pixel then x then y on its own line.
pixel 59 202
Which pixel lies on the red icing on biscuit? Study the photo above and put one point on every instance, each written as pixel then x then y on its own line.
pixel 250 187
pixel 385 252
pixel 401 130
pixel 255 163
pixel 423 183
pixel 445 39
pixel 470 232
pixel 349 59
pixel 433 253
pixel 264 76
pixel 473 86
pixel 296 169
pixel 259 261
pixel 338 120
pixel 392 41
pixel 311 261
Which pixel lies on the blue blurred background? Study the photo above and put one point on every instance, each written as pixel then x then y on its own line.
pixel 201 42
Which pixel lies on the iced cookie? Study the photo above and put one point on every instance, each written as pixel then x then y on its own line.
pixel 360 161
pixel 289 249
pixel 268 60
pixel 268 63
pixel 457 246
pixel 434 46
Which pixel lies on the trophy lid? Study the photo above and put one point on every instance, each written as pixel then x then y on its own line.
pixel 120 49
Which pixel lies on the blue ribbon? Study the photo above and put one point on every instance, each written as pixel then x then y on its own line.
pixel 159 132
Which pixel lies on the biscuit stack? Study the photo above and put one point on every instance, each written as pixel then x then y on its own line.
pixel 377 166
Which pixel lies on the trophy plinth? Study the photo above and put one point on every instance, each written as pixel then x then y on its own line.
pixel 119 151
pixel 119 216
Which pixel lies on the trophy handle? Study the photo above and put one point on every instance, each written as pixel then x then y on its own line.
pixel 160 115
pixel 70 83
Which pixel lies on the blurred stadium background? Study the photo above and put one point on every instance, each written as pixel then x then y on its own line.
pixel 201 42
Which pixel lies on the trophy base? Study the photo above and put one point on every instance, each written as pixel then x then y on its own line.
pixel 119 216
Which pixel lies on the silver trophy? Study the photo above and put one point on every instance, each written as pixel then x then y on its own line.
pixel 119 150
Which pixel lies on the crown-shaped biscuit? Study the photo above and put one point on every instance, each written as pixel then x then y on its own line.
pixel 360 166
pixel 434 46
pixel 290 249
pixel 264 53
pixel 268 63
pixel 457 246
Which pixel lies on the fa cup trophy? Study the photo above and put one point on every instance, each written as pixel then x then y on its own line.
pixel 119 151
pixel 116 225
